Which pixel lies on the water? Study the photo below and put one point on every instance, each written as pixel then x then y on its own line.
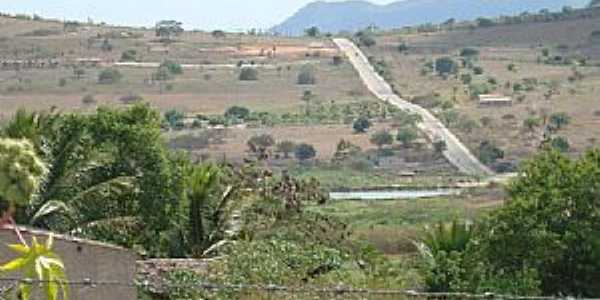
pixel 392 194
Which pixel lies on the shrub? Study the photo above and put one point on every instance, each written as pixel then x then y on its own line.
pixel 248 74
pixel 173 67
pixel 402 47
pixel 440 146
pixel 174 118
pixel 62 82
pixel 305 152
pixel 306 75
pixel 366 39
pixel 109 76
pixel 466 78
pixel 477 70
pixel 446 65
pixel 238 112
pixel 489 153
pixel 382 138
pixel 560 143
pixel 88 99
pixel 469 52
pixel 361 125
pixel 485 22
pixel 286 147
pixel 337 60
pixel 260 143
pixel 129 55
pixel 407 135
pixel 559 120
pixel 130 98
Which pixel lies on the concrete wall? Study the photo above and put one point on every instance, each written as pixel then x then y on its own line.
pixel 84 259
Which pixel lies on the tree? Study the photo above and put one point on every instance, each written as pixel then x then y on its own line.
pixel 469 52
pixel 207 207
pixel 306 76
pixel 489 153
pixel 286 147
pixel 260 143
pixel 161 76
pixel 129 55
pixel 366 38
pixel 361 125
pixel 531 123
pixel 307 97
pixel 248 74
pixel 406 135
pixel 109 76
pixel 449 117
pixel 305 152
pixel 560 144
pixel 312 31
pixel 559 120
pixel 238 112
pixel 78 72
pixel 439 146
pixel 403 47
pixel 218 34
pixel 173 67
pixel 110 169
pixel 168 29
pixel 382 138
pixel 174 118
pixel 485 22
pixel 445 65
pixel 549 224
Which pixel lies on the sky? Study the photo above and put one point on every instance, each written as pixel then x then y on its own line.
pixel 231 15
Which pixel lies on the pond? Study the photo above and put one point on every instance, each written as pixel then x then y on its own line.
pixel 393 194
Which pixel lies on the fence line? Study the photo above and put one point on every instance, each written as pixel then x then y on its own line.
pixel 338 290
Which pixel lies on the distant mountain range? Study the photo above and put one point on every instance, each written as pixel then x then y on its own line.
pixel 354 15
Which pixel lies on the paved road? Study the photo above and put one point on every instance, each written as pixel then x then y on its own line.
pixel 456 152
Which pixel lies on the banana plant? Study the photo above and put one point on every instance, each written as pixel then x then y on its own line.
pixel 38 263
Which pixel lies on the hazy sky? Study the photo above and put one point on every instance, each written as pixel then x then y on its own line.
pixel 201 14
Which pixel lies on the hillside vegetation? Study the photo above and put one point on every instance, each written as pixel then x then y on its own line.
pixel 550 69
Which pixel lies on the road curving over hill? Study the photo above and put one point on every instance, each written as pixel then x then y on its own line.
pixel 456 152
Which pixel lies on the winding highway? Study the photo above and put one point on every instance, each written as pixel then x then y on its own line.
pixel 456 152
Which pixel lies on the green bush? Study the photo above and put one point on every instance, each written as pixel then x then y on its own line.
pixel 445 65
pixel 549 225
pixel 109 76
pixel 173 67
pixel 469 52
pixel 382 138
pixel 248 74
pixel 238 112
pixel 361 125
pixel 560 144
pixel 489 153
pixel 305 152
pixel 129 55
pixel 306 76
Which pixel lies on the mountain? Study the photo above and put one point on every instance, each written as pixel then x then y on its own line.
pixel 354 15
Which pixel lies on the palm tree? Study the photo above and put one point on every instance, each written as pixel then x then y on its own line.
pixel 208 208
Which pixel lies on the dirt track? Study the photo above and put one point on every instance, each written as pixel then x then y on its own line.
pixel 456 153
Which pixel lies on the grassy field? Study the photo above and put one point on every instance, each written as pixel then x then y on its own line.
pixel 392 226
pixel 573 87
